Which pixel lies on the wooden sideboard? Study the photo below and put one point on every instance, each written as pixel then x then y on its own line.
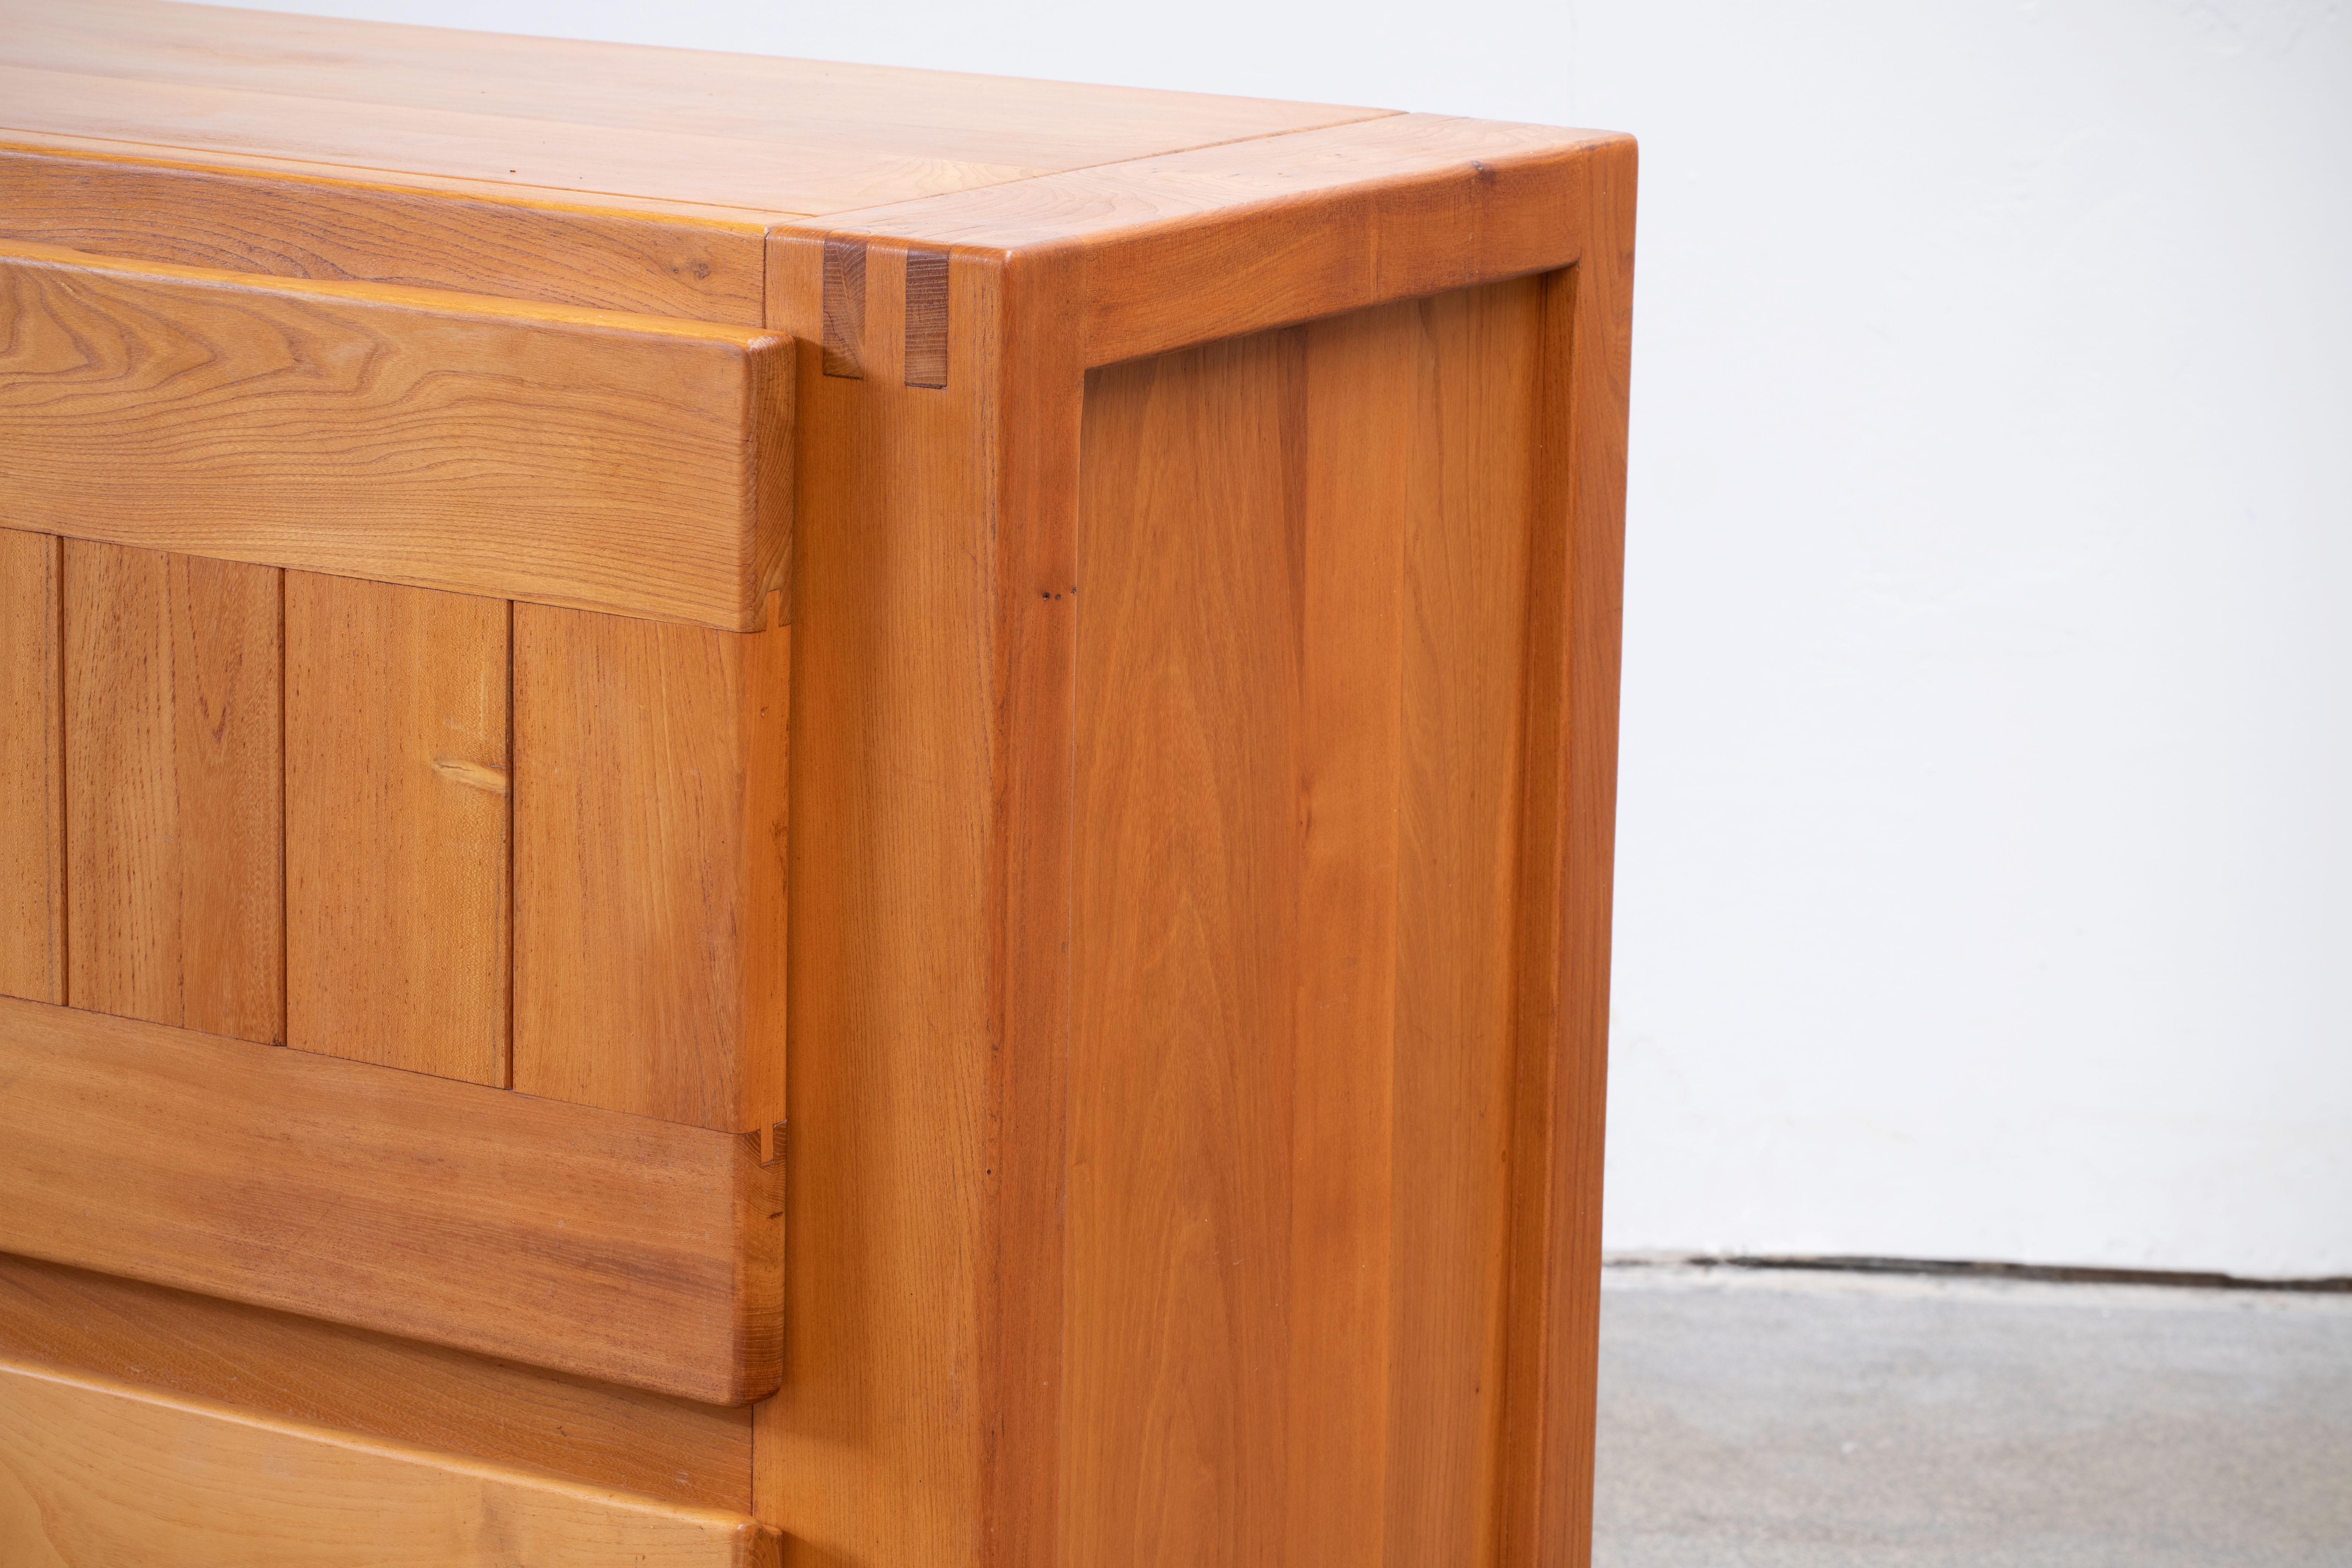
pixel 542 582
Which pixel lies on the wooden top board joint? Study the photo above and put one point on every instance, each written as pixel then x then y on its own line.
pixel 937 157
pixel 780 137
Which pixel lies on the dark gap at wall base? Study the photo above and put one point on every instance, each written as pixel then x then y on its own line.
pixel 2048 1273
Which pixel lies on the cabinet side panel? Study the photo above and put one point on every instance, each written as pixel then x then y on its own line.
pixel 649 866
pixel 32 776
pixel 1301 681
pixel 396 826
pixel 174 888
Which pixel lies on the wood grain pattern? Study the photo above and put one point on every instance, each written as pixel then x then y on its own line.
pixel 789 136
pixel 96 1473
pixel 302 1369
pixel 1281 1264
pixel 1221 240
pixel 1301 691
pixel 845 308
pixel 396 826
pixel 1567 868
pixel 1201 769
pixel 162 207
pixel 1040 412
pixel 32 770
pixel 175 885
pixel 879 1451
pixel 650 815
pixel 927 318
pixel 501 448
pixel 614 1246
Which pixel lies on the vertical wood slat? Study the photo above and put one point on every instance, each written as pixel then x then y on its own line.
pixel 32 770
pixel 649 866
pixel 397 825
pixel 174 886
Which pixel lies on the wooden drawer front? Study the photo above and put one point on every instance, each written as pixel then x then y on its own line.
pixel 550 453
pixel 100 1474
pixel 617 1246
pixel 530 856
pixel 516 844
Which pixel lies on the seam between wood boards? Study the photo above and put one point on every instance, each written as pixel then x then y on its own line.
pixel 560 197
pixel 768 212
pixel 285 835
pixel 398 106
pixel 514 777
pixel 348 1062
pixel 57 781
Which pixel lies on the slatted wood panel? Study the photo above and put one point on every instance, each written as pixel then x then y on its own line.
pixel 649 867
pixel 32 771
pixel 1301 666
pixel 397 825
pixel 174 888
pixel 100 1474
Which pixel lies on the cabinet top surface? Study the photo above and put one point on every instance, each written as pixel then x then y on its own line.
pixel 775 136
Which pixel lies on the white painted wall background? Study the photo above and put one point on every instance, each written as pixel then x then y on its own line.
pixel 1985 878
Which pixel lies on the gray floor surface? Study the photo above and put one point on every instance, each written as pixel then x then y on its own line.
pixel 1788 1420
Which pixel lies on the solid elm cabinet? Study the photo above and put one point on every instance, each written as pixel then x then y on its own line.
pixel 540 582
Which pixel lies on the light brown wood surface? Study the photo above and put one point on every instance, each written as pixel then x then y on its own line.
pixel 341 225
pixel 100 1474
pixel 1219 240
pixel 174 885
pixel 307 1369
pixel 32 771
pixel 396 826
pixel 788 136
pixel 1276 1167
pixel 1202 605
pixel 615 1246
pixel 876 1451
pixel 650 814
pixel 1566 869
pixel 1292 1053
pixel 503 448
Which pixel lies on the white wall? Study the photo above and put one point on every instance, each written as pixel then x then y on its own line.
pixel 1986 865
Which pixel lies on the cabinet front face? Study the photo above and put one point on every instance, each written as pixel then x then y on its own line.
pixel 398 960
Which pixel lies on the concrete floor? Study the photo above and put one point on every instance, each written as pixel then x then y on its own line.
pixel 1792 1419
